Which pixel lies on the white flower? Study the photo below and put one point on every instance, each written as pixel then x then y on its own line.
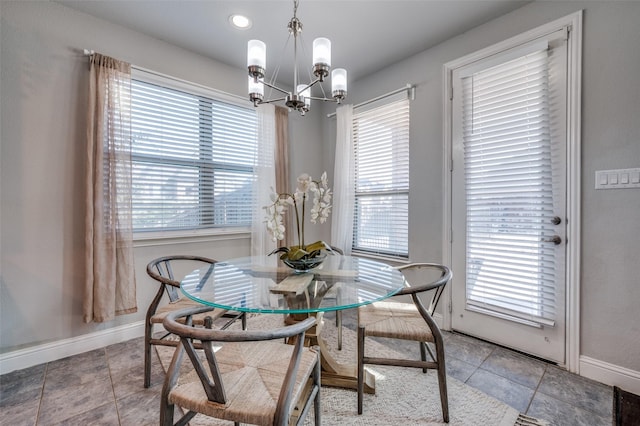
pixel 320 209
pixel 304 181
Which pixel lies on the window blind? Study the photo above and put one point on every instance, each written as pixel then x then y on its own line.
pixel 381 152
pixel 193 160
pixel 508 179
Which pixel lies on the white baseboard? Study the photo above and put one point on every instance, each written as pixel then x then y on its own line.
pixel 610 374
pixel 28 357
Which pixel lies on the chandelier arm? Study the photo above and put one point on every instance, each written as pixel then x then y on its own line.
pixel 273 100
pixel 275 87
pixel 313 83
pixel 323 99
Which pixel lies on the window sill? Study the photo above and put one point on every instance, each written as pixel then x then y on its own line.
pixel 148 239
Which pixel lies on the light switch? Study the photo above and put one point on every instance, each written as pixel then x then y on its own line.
pixel 618 179
pixel 624 178
pixel 603 179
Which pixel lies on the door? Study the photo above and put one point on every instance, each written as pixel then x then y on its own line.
pixel 508 183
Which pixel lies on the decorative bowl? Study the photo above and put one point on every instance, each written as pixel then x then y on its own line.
pixel 304 265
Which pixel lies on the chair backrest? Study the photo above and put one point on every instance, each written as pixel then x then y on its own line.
pixel 162 270
pixel 213 384
pixel 442 276
pixel 337 250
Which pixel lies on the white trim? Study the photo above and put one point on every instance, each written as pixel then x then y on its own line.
pixel 574 21
pixel 166 80
pixel 574 119
pixel 152 239
pixel 610 374
pixel 28 357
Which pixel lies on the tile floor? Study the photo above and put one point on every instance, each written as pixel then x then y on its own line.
pixel 104 386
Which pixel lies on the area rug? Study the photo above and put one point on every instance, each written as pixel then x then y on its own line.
pixel 403 395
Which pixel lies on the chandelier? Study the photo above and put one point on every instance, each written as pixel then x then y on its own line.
pixel 300 98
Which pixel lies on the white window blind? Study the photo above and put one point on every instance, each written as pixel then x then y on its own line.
pixel 381 213
pixel 508 178
pixel 193 160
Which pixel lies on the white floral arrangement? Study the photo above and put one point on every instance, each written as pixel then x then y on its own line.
pixel 320 210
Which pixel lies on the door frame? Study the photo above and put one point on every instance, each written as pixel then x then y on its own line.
pixel 574 102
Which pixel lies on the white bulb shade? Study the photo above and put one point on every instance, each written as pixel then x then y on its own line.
pixel 256 87
pixel 339 79
pixel 256 54
pixel 305 93
pixel 322 51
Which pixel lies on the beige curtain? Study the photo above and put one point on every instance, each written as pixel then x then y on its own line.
pixel 110 287
pixel 282 167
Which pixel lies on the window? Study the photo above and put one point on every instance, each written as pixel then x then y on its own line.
pixel 381 211
pixel 193 159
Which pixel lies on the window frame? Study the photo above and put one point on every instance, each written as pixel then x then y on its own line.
pixel 193 235
pixel 363 251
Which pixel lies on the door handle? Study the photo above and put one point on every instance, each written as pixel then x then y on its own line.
pixel 555 240
pixel 556 220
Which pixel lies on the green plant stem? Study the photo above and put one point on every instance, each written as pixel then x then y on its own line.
pixel 295 207
pixel 304 198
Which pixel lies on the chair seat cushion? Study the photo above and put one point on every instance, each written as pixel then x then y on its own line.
pixel 186 303
pixel 252 373
pixel 394 320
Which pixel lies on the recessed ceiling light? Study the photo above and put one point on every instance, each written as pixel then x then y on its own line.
pixel 240 22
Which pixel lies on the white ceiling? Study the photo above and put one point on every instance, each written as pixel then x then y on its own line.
pixel 366 36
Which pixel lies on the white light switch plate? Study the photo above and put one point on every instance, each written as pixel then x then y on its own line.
pixel 618 179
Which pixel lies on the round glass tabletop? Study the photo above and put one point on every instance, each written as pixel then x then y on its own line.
pixel 263 284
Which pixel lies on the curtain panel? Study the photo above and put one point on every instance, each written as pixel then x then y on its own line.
pixel 261 243
pixel 282 166
pixel 110 287
pixel 344 178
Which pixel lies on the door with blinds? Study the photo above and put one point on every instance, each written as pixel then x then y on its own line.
pixel 509 142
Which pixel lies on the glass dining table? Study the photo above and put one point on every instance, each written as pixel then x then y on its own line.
pixel 262 284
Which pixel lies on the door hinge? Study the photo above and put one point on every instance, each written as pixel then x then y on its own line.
pixel 450 307
pixel 451 235
pixel 451 92
pixel 451 166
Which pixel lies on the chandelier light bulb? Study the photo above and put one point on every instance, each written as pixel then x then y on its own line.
pixel 339 83
pixel 256 91
pixel 306 94
pixel 256 54
pixel 322 51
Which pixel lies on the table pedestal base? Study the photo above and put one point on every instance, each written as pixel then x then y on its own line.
pixel 334 373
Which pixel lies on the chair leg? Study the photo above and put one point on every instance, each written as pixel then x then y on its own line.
pixel 360 368
pixel 423 354
pixel 339 325
pixel 442 380
pixel 316 404
pixel 147 354
pixel 166 414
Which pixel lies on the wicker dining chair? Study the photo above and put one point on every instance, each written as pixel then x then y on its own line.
pixel 407 321
pixel 242 376
pixel 164 270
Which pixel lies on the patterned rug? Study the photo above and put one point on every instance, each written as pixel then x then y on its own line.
pixel 403 395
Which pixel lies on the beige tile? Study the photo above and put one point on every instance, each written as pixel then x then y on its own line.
pixel 63 403
pixel 24 413
pixel 105 415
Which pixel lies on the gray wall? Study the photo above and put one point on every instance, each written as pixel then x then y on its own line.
pixel 43 80
pixel 610 272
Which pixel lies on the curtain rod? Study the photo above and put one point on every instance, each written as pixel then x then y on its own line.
pixel 89 52
pixel 408 86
